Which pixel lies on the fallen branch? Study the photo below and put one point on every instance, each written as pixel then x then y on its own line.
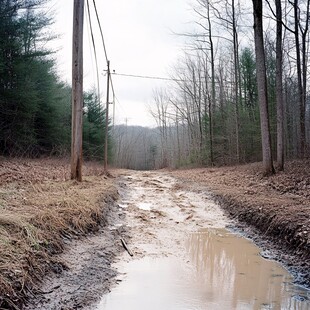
pixel 126 247
pixel 51 291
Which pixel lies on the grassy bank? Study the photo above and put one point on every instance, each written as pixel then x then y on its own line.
pixel 40 208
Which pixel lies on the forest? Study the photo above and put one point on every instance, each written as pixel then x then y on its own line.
pixel 35 114
pixel 211 113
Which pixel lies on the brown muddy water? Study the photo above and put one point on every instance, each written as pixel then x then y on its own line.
pixel 223 271
pixel 187 260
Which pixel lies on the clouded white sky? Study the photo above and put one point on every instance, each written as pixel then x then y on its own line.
pixel 140 40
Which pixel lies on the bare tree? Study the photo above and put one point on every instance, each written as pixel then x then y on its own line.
pixel 161 117
pixel 304 51
pixel 279 88
pixel 228 16
pixel 301 49
pixel 262 86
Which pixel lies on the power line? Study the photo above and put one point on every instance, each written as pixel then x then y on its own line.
pixel 103 42
pixel 112 86
pixel 94 47
pixel 110 81
pixel 148 77
pixel 120 106
pixel 101 32
pixel 91 52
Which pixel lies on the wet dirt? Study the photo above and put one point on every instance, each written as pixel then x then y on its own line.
pixel 84 270
pixel 274 211
pixel 184 258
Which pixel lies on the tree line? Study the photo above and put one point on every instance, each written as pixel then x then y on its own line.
pixel 239 94
pixel 235 90
pixel 35 105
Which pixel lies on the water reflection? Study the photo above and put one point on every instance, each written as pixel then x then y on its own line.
pixel 231 270
pixel 223 271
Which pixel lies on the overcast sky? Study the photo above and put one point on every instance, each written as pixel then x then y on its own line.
pixel 139 40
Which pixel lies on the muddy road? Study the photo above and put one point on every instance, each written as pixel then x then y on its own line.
pixel 186 255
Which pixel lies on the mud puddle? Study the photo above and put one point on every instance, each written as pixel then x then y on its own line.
pixel 186 259
pixel 223 271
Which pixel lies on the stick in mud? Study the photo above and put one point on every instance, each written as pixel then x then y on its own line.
pixel 126 247
pixel 51 291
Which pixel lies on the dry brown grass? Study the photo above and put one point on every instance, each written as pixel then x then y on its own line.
pixel 37 210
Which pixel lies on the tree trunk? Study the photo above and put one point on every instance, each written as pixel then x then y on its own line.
pixel 279 88
pixel 299 81
pixel 262 87
pixel 236 76
pixel 304 51
pixel 212 102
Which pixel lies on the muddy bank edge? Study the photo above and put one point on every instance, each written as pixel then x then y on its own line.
pixel 274 211
pixel 37 220
pixel 282 239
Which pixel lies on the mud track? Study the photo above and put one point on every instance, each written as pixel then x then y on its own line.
pixel 155 214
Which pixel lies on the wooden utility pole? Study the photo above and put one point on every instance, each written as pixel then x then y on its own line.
pixel 77 90
pixel 105 165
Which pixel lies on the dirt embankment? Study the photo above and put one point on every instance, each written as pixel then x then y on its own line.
pixel 40 210
pixel 277 207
